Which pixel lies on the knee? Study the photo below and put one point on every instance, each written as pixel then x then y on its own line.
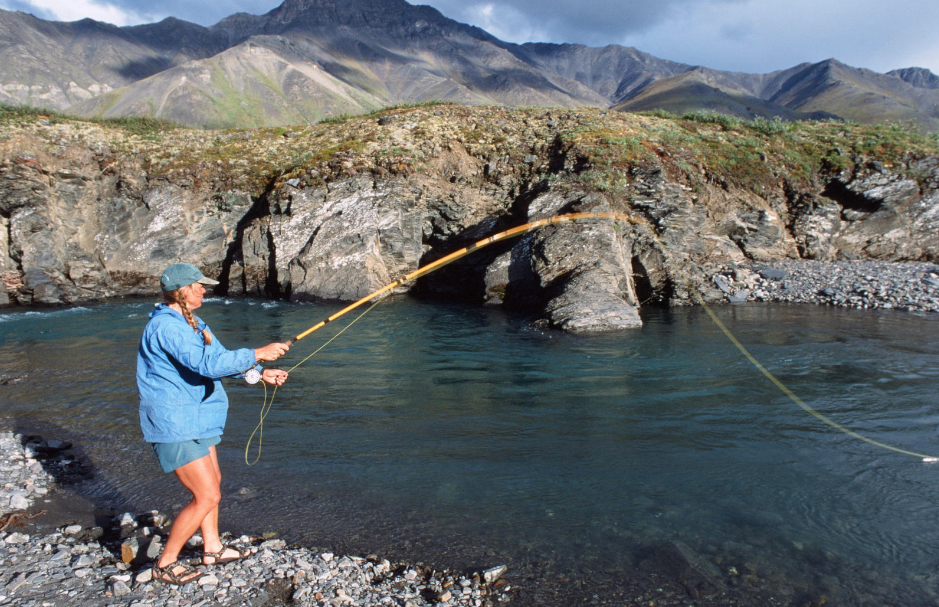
pixel 209 498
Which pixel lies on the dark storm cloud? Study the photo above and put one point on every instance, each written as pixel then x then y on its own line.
pixel 592 22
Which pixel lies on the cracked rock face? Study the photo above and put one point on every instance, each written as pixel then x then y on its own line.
pixel 81 223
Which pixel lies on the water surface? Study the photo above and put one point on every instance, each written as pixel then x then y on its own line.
pixel 460 436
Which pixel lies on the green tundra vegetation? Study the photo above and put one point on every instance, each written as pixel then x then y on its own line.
pixel 693 148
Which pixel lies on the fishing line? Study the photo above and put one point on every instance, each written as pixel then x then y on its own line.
pixel 384 291
pixel 266 407
pixel 799 401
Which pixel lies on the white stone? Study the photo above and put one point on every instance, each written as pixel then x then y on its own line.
pixel 208 580
pixel 493 574
pixel 127 520
pixel 16 538
pixel 82 572
pixel 144 576
pixel 327 556
pixel 18 502
pixel 72 529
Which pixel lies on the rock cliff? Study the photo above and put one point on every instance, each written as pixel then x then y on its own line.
pixel 336 210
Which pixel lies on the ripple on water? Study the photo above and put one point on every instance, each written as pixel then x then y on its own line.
pixel 448 433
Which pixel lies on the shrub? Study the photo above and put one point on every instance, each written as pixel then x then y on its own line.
pixel 726 121
pixel 658 113
pixel 770 127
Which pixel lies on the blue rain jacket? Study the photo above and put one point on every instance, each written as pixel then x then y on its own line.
pixel 181 397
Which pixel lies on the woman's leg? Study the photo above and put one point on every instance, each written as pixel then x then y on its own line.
pixel 211 541
pixel 202 480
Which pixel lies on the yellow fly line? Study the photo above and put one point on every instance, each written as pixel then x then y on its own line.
pixel 377 296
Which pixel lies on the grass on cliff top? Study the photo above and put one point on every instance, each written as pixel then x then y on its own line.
pixel 399 106
pixel 134 125
pixel 755 155
pixel 693 148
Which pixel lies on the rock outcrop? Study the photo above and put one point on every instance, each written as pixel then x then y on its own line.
pixel 338 210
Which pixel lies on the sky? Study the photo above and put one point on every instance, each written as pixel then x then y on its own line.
pixel 736 35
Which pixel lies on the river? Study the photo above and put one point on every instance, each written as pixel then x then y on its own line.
pixel 461 437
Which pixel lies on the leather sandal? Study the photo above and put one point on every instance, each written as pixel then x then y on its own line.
pixel 168 574
pixel 220 560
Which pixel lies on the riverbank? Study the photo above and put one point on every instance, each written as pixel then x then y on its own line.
pixel 867 285
pixel 112 564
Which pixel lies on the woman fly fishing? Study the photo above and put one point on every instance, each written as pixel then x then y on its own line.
pixel 183 408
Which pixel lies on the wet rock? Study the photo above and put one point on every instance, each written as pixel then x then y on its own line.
pixel 700 577
pixel 494 573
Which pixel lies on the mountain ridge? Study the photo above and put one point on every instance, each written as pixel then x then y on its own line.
pixel 393 52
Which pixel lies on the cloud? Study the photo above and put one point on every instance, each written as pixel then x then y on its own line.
pixel 132 12
pixel 591 22
pixel 27 7
pixel 736 35
pixel 73 10
pixel 765 35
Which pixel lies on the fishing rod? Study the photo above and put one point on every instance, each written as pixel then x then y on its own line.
pixel 379 295
pixel 436 265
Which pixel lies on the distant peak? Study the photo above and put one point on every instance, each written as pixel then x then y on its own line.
pixel 918 77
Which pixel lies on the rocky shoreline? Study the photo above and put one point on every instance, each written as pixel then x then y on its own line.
pixel 908 287
pixel 79 565
pixel 335 211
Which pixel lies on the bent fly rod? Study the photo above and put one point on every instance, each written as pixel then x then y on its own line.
pixel 377 296
pixel 436 265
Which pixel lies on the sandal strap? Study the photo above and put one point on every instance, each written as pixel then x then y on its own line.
pixel 218 555
pixel 177 578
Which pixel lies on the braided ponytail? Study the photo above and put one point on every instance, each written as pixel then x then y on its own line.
pixel 176 297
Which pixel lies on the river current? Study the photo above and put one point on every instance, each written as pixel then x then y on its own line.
pixel 461 437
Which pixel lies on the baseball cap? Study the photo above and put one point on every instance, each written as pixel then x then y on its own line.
pixel 182 274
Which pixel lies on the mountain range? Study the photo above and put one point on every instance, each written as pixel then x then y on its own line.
pixel 311 59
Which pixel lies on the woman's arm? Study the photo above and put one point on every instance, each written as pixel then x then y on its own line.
pixel 188 349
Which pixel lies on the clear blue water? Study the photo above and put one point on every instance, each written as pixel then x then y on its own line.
pixel 462 437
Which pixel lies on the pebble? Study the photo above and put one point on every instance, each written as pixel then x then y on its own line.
pixel 868 285
pixel 63 568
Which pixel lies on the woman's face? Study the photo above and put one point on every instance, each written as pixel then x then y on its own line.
pixel 192 295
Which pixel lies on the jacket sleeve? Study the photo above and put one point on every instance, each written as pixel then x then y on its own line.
pixel 188 349
pixel 240 374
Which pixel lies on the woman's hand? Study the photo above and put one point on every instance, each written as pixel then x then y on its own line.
pixel 274 377
pixel 271 352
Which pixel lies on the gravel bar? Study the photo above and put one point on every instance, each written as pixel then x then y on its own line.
pixel 910 287
pixel 79 566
